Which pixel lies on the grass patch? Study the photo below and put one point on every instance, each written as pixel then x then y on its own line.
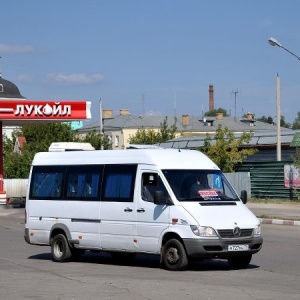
pixel 263 216
pixel 274 201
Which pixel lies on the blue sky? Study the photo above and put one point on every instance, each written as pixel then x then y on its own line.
pixel 155 56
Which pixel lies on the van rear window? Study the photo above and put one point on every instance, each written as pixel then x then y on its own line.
pixel 47 183
pixel 82 182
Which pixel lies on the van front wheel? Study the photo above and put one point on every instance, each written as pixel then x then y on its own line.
pixel 60 248
pixel 174 256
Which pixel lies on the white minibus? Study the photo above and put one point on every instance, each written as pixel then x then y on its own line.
pixel 168 202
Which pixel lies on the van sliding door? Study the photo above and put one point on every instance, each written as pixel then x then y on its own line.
pixel 116 209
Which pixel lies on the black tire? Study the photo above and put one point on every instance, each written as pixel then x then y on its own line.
pixel 240 262
pixel 174 256
pixel 60 248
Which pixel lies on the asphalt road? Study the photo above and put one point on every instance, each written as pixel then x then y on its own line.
pixel 27 272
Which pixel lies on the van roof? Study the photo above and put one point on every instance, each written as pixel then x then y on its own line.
pixel 70 146
pixel 163 158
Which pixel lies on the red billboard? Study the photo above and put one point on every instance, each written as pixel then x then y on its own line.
pixel 41 110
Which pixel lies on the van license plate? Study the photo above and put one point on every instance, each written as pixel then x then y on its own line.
pixel 238 247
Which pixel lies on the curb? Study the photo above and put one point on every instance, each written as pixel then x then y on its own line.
pixel 279 222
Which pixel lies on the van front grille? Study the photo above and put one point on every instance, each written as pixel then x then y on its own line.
pixel 228 233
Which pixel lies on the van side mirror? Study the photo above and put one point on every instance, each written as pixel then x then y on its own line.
pixel 244 196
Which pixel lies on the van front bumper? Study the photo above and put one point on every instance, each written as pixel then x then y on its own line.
pixel 209 248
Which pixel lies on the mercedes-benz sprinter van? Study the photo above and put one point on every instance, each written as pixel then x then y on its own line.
pixel 173 203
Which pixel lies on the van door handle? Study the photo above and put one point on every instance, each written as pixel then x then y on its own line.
pixel 127 209
pixel 141 210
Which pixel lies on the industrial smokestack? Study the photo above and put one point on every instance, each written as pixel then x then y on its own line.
pixel 211 97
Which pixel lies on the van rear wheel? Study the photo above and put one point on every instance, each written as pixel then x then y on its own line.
pixel 174 256
pixel 60 248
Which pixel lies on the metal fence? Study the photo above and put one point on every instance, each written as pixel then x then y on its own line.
pixel 15 188
pixel 267 180
pixel 240 181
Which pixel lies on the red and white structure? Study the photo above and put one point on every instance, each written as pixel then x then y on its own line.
pixel 15 110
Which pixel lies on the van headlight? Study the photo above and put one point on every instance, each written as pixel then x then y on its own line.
pixel 257 230
pixel 203 231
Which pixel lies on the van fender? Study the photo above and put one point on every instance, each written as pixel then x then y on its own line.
pixel 165 236
pixel 62 228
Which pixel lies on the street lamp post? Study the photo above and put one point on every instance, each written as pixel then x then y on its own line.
pixel 278 114
pixel 274 42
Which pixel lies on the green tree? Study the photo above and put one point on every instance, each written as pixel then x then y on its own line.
pixel 38 137
pixel 296 123
pixel 97 140
pixel 225 149
pixel 14 164
pixel 166 133
pixel 151 136
pixel 296 158
pixel 296 162
pixel 265 119
pixel 283 123
pixel 213 112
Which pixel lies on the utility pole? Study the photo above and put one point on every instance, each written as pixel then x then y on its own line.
pixel 235 93
pixel 278 118
pixel 101 124
pixel 143 103
pixel 175 96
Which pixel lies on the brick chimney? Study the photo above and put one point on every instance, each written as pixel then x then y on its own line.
pixel 124 112
pixel 107 113
pixel 219 116
pixel 211 97
pixel 249 116
pixel 185 120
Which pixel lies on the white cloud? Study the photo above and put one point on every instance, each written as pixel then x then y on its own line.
pixel 76 78
pixel 15 49
pixel 25 78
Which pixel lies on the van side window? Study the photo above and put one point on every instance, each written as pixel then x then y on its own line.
pixel 83 182
pixel 47 182
pixel 119 183
pixel 151 182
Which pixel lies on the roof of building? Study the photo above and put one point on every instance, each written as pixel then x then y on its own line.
pixel 9 90
pixel 259 139
pixel 21 141
pixel 194 123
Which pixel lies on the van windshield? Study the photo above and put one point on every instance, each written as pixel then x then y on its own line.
pixel 200 185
